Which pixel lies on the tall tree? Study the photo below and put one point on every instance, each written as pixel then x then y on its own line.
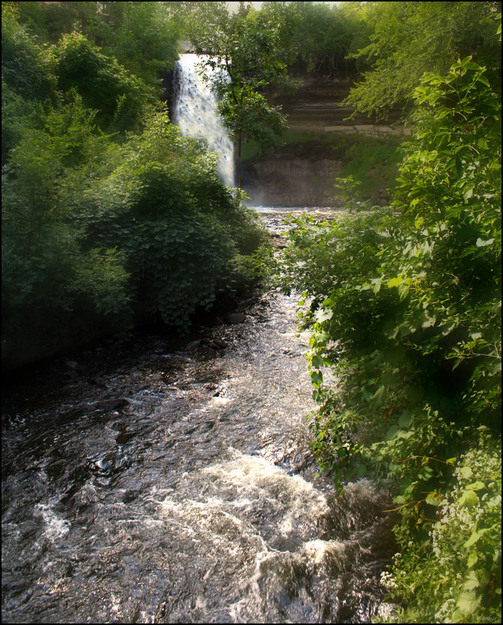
pixel 249 46
pixel 410 38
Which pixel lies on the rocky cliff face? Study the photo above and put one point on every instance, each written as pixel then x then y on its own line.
pixel 302 173
pixel 291 181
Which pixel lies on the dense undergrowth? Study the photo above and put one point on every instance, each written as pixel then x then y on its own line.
pixel 404 308
pixel 109 216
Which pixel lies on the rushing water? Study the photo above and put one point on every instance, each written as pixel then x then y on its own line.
pixel 195 111
pixel 162 485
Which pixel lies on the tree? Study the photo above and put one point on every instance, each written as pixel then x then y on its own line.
pixel 249 47
pixel 142 36
pixel 119 97
pixel 107 213
pixel 322 37
pixel 410 38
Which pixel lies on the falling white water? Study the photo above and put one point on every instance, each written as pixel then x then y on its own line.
pixel 196 114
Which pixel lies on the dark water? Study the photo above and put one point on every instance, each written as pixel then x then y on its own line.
pixel 194 498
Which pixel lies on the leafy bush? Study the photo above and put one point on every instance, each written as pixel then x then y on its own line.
pixel 120 98
pixel 456 576
pixel 24 68
pixel 371 162
pixel 404 308
pixel 177 224
pixel 50 283
pixel 96 230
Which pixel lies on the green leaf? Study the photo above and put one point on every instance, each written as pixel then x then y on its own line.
pixel 465 472
pixel 403 290
pixel 482 243
pixel 473 558
pixel 394 282
pixel 468 194
pixel 405 420
pixel 468 602
pixel 391 432
pixel 434 498
pixel 323 314
pixel 316 377
pixel 468 499
pixel 472 581
pixel 478 485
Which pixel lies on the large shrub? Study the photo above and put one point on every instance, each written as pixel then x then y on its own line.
pixel 27 82
pixel 120 98
pixel 52 287
pixel 177 224
pixel 24 69
pixel 405 309
pixel 94 231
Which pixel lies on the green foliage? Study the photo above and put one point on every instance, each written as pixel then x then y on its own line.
pixel 176 223
pixel 118 97
pixel 96 231
pixel 456 576
pixel 141 36
pixel 47 275
pixel 24 69
pixel 410 38
pixel 322 37
pixel 48 21
pixel 27 82
pixel 248 52
pixel 372 164
pixel 404 308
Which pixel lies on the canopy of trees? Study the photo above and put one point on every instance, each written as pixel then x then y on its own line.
pixel 410 38
pixel 109 217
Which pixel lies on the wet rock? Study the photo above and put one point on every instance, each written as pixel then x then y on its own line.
pixel 129 496
pixel 113 404
pixel 236 317
pixel 214 343
pixel 124 438
pixel 193 344
pixel 278 240
pixel 96 382
pixel 220 391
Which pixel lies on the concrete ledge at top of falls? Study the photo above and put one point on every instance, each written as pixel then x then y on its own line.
pixel 370 130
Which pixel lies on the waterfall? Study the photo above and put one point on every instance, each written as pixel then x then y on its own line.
pixel 196 114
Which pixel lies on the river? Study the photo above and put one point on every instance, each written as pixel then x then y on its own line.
pixel 161 483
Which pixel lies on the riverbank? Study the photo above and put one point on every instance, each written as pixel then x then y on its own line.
pixel 153 484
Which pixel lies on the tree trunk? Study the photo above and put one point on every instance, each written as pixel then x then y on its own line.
pixel 238 159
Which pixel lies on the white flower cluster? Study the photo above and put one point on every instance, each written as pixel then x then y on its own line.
pixel 388 580
pixel 445 610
